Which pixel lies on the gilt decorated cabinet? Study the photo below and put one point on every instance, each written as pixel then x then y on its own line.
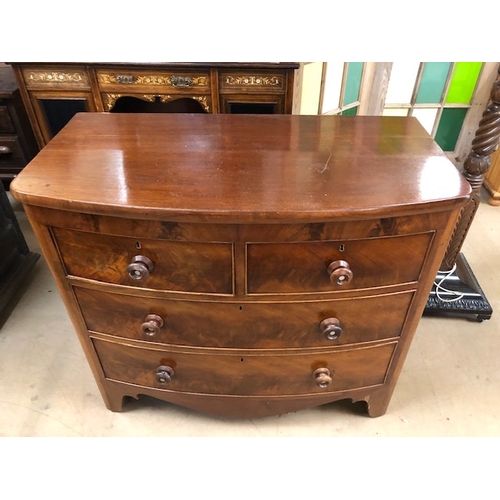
pixel 243 265
pixel 54 92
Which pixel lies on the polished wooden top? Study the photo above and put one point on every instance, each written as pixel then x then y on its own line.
pixel 241 168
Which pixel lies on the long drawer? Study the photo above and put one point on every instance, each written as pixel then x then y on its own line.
pixel 240 373
pixel 147 263
pixel 179 80
pixel 244 324
pixel 305 267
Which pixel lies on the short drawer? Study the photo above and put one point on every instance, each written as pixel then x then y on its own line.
pixel 120 79
pixel 11 152
pixel 309 267
pixel 245 325
pixel 56 77
pixel 6 125
pixel 147 263
pixel 245 374
pixel 252 81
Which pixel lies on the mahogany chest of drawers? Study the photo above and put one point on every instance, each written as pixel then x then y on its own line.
pixel 243 265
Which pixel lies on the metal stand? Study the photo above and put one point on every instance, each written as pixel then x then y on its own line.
pixel 458 293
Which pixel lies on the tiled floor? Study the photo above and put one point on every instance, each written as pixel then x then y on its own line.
pixel 449 386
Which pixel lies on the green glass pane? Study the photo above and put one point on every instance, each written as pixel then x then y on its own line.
pixel 463 82
pixel 449 127
pixel 353 82
pixel 433 81
pixel 350 112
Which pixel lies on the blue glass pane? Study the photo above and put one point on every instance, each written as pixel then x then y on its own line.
pixel 353 82
pixel 433 81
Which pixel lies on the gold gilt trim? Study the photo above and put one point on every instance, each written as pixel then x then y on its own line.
pixel 254 80
pixel 130 79
pixel 203 101
pixel 56 77
pixel 110 99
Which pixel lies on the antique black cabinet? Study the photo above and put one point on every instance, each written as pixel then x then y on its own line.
pixel 16 260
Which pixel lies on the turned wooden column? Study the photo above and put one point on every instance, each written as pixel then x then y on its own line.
pixel 476 165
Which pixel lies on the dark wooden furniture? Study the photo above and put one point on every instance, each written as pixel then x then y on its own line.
pixel 243 265
pixel 17 142
pixel 54 92
pixel 16 260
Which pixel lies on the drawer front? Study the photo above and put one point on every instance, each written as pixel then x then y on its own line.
pixel 155 264
pixel 70 78
pixel 304 267
pixel 118 79
pixel 6 126
pixel 271 325
pixel 11 152
pixel 252 81
pixel 245 374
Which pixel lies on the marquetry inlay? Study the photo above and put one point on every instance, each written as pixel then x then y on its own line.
pixel 109 100
pixel 131 79
pixel 203 101
pixel 56 77
pixel 254 80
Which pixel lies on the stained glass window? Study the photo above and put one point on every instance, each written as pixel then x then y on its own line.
pixel 332 88
pixel 438 94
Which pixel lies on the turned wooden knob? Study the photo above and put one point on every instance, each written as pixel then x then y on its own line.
pixel 139 268
pixel 164 374
pixel 323 377
pixel 340 273
pixel 331 328
pixel 152 324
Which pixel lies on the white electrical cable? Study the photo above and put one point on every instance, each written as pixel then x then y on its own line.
pixel 439 287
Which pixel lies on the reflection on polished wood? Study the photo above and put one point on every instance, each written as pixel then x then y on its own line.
pixel 243 265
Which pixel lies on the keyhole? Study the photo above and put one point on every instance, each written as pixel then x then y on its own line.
pixel 137 245
pixel 341 248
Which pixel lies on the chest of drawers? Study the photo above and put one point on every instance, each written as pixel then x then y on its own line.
pixel 243 265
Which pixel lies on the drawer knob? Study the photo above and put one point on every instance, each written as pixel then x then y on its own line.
pixel 323 377
pixel 139 268
pixel 164 374
pixel 331 328
pixel 152 324
pixel 340 273
pixel 4 150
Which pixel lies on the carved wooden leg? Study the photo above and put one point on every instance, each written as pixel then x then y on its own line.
pixel 478 162
pixel 470 299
